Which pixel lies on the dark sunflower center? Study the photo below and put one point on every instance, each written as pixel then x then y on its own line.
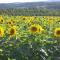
pixel 0 32
pixel 9 22
pixel 58 32
pixel 1 20
pixel 23 18
pixel 34 29
pixel 12 31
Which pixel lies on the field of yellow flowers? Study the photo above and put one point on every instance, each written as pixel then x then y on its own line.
pixel 29 38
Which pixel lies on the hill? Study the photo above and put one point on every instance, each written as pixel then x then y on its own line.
pixel 49 5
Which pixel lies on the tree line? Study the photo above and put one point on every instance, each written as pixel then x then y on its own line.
pixel 30 12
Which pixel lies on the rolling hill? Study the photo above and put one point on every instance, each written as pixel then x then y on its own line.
pixel 49 5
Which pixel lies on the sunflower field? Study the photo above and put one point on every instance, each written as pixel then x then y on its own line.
pixel 29 37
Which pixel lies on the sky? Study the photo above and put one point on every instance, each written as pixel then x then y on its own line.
pixel 10 1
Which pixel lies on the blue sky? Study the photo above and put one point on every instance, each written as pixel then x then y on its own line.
pixel 10 1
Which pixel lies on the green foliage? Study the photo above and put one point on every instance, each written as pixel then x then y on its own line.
pixel 30 12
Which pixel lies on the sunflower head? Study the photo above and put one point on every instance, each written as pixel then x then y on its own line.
pixel 57 32
pixel 1 32
pixel 12 31
pixel 1 19
pixel 36 28
pixel 50 21
pixel 10 23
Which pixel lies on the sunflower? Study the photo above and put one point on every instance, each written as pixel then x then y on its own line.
pixel 50 21
pixel 36 28
pixel 10 23
pixel 1 32
pixel 57 32
pixel 25 19
pixel 1 19
pixel 12 30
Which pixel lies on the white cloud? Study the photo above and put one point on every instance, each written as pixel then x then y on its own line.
pixel 9 1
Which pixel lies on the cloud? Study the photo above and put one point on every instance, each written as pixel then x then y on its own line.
pixel 9 1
